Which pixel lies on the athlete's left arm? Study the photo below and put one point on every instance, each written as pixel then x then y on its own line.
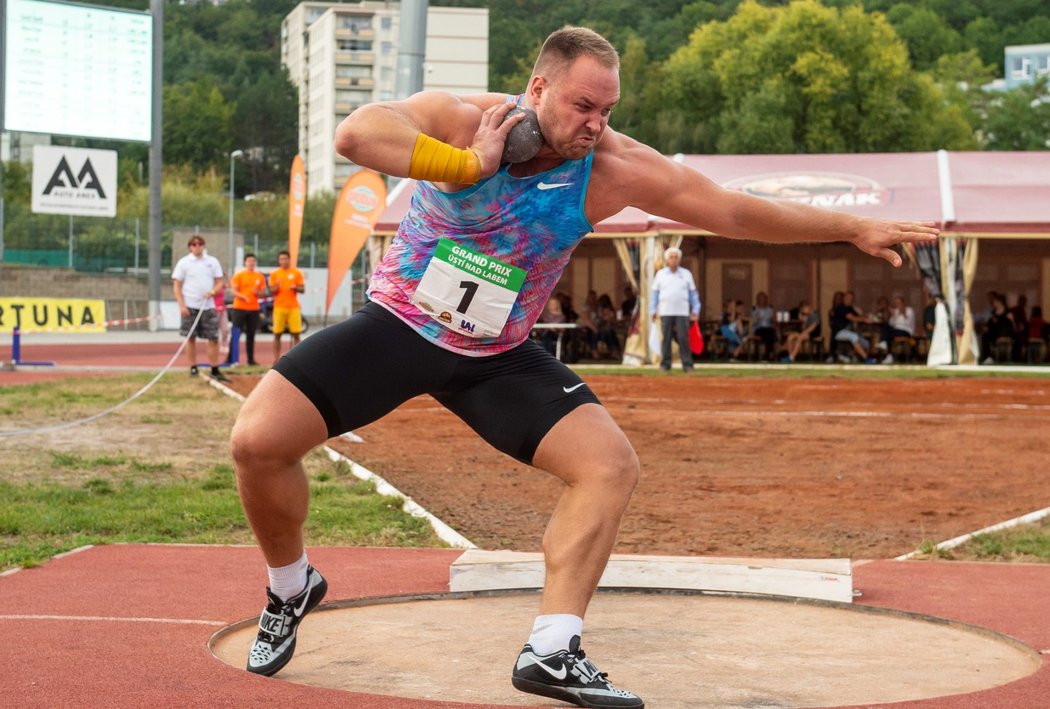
pixel 669 189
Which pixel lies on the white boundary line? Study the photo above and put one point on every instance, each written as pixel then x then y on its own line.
pixel 113 619
pixel 444 532
pixel 957 541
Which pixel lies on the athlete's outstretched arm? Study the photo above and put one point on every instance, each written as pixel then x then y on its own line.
pixel 669 189
pixel 383 135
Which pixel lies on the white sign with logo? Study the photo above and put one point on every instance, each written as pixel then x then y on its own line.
pixel 74 181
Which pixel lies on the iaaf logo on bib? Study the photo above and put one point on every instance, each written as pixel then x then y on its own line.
pixel 821 189
pixel 84 185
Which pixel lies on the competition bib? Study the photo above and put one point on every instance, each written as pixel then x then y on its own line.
pixel 467 291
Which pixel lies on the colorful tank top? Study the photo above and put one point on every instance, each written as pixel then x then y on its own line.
pixel 472 270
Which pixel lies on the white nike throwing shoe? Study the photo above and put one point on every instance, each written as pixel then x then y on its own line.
pixel 569 676
pixel 275 643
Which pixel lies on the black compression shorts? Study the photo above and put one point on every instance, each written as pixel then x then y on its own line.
pixel 364 367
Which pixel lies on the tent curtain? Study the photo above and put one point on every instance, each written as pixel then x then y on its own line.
pixel 948 267
pixel 969 347
pixel 627 262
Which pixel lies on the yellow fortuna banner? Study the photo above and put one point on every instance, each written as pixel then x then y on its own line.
pixel 52 314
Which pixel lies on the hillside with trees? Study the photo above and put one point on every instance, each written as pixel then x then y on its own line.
pixel 718 76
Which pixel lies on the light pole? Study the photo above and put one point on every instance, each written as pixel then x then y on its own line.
pixel 229 263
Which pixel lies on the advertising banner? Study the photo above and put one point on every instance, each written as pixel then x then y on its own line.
pixel 75 181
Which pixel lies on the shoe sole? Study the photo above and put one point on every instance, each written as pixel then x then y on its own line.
pixel 278 665
pixel 546 690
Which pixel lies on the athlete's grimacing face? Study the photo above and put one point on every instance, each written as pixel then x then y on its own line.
pixel 574 106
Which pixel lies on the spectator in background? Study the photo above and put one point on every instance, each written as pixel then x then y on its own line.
pixel 196 278
pixel 676 302
pixel 999 324
pixel 809 320
pixel 606 323
pixel 844 320
pixel 762 326
pixel 248 286
pixel 1019 315
pixel 566 306
pixel 732 328
pixel 590 305
pixel 836 300
pixel 929 315
pixel 1036 325
pixel 629 301
pixel 286 283
pixel 901 323
pixel 552 315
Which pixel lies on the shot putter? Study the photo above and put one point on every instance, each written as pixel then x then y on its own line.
pixel 524 139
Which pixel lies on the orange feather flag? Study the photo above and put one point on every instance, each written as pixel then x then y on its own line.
pixel 361 202
pixel 296 207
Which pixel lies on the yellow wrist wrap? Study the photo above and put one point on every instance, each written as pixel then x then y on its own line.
pixel 439 162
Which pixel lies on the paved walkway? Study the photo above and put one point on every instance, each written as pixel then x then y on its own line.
pixel 129 625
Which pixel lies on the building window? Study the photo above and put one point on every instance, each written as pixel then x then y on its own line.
pixel 352 96
pixel 355 45
pixel 386 23
pixel 344 71
pixel 386 48
pixel 355 23
pixel 1021 68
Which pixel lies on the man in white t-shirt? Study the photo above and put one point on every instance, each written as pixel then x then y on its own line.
pixel 196 278
pixel 677 303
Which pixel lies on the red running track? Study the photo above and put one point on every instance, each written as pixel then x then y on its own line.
pixel 128 625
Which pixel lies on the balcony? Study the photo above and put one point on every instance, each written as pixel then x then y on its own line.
pixel 355 58
pixel 355 33
pixel 349 82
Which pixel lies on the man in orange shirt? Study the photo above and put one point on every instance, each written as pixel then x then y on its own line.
pixel 247 286
pixel 286 283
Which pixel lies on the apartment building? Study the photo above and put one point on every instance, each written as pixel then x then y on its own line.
pixel 343 55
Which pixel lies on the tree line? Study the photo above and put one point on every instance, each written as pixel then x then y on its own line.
pixel 707 76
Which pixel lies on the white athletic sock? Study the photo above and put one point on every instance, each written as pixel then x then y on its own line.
pixel 286 581
pixel 551 633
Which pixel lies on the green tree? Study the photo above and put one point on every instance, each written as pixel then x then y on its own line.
pixel 961 78
pixel 197 125
pixel 188 199
pixel 807 78
pixel 1020 118
pixel 17 182
pixel 926 33
pixel 265 120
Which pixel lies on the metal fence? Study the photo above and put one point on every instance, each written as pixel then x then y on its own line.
pixel 101 245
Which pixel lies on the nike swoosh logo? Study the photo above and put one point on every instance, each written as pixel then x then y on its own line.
pixel 552 185
pixel 569 390
pixel 556 674
pixel 302 606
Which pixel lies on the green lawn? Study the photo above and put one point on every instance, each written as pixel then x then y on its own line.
pixel 143 474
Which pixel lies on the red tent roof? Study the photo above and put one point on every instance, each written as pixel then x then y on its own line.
pixel 1001 192
pixel 976 192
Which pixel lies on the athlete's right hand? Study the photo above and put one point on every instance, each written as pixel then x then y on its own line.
pixel 492 134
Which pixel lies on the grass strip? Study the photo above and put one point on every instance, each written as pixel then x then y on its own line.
pixel 1023 543
pixel 41 519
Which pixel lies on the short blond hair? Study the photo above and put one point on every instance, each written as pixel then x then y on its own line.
pixel 563 47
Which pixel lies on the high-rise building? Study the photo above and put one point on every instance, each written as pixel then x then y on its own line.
pixel 343 55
